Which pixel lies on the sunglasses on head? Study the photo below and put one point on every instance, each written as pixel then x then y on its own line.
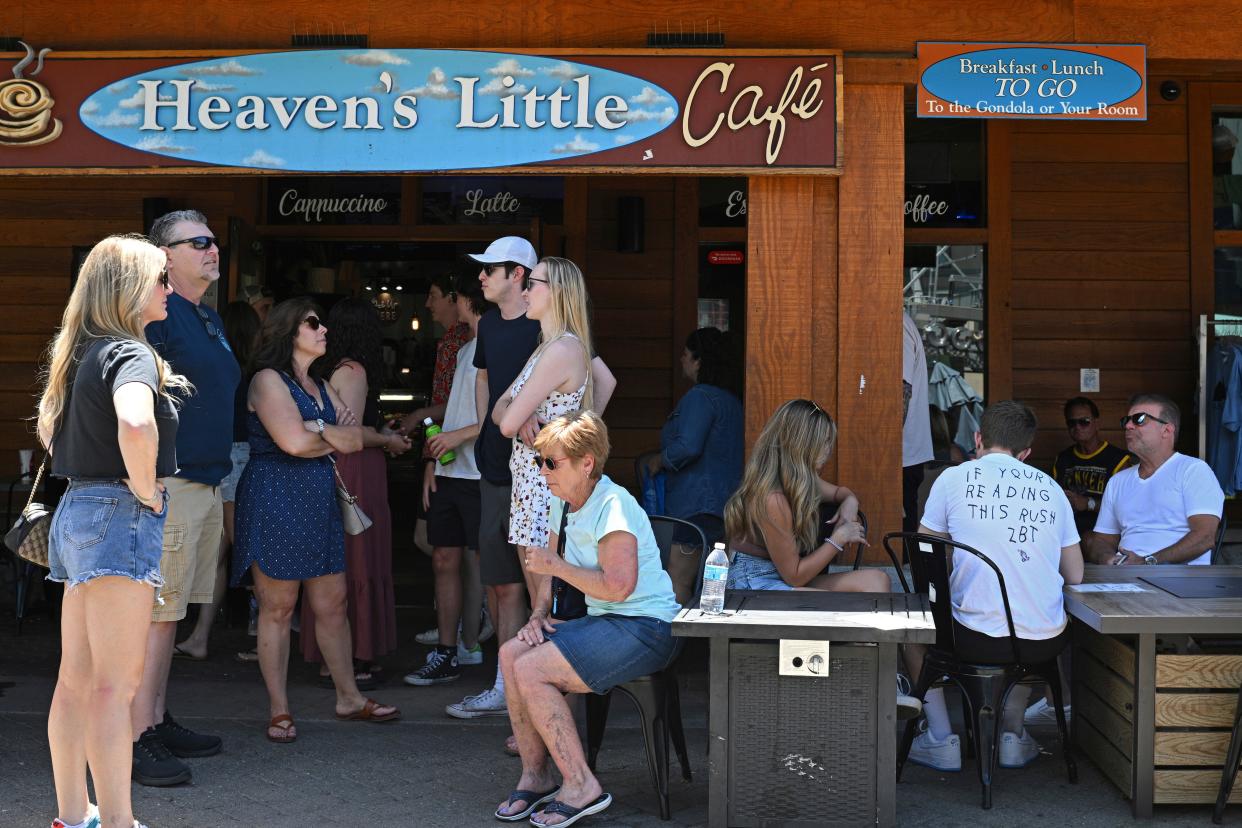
pixel 1140 418
pixel 527 282
pixel 1082 422
pixel 312 322
pixel 550 462
pixel 197 242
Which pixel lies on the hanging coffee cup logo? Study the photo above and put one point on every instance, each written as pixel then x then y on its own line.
pixel 26 106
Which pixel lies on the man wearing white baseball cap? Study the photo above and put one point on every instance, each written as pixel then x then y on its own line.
pixel 506 339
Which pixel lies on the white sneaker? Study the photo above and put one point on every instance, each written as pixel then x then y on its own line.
pixel 942 756
pixel 467 657
pixel 431 636
pixel 1042 714
pixel 1018 751
pixel 490 702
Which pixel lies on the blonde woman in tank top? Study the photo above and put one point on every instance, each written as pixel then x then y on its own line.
pixel 556 380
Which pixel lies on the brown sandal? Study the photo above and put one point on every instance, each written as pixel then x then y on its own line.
pixel 368 714
pixel 283 723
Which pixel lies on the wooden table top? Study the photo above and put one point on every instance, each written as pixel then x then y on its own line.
pixel 814 615
pixel 1153 610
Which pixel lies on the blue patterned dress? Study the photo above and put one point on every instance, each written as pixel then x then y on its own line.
pixel 287 518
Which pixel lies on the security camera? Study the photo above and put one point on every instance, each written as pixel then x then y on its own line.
pixel 1170 90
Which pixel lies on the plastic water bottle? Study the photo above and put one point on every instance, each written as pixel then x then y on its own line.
pixel 431 430
pixel 715 575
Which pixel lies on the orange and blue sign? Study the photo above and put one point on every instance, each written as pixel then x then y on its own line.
pixel 1101 82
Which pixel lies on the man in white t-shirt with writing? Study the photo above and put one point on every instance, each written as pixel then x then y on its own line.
pixel 1020 518
pixel 1166 509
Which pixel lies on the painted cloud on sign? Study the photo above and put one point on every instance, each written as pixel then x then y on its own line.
pixel 139 99
pixel 622 139
pixel 495 87
pixel 159 143
pixel 204 86
pixel 375 57
pixel 510 66
pixel 89 108
pixel 229 67
pixel 436 87
pixel 259 158
pixel 638 115
pixel 116 118
pixel 648 97
pixel 562 70
pixel 578 144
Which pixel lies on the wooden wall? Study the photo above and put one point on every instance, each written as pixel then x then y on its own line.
pixel 1100 262
pixel 1203 29
pixel 824 302
pixel 41 221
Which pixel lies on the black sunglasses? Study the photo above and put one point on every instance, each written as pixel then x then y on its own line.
pixel 550 462
pixel 1140 418
pixel 312 322
pixel 197 242
pixel 212 330
pixel 164 278
pixel 526 282
pixel 489 269
pixel 1078 421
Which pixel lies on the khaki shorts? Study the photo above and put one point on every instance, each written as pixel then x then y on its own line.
pixel 192 534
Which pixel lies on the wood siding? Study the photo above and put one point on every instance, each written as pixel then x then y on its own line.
pixel 1100 261
pixel 1204 29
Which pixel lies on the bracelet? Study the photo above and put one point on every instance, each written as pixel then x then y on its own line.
pixel 147 501
pixel 834 544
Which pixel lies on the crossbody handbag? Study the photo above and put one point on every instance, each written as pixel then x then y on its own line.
pixel 353 518
pixel 568 602
pixel 28 538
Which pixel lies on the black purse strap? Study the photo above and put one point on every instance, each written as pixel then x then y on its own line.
pixel 560 535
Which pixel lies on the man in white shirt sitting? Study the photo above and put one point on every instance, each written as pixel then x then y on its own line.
pixel 1020 518
pixel 1166 509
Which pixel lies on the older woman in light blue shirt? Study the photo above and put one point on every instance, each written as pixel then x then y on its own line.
pixel 612 557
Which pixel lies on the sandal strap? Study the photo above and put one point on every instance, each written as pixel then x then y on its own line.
pixel 560 808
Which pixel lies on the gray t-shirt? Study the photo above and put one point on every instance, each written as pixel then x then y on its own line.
pixel 85 443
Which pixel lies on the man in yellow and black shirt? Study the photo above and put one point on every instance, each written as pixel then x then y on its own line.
pixel 1084 468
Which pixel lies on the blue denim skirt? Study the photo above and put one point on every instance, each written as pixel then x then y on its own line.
pixel 99 529
pixel 749 572
pixel 607 650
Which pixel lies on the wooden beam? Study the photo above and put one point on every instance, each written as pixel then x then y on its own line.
pixel 869 257
pixel 999 262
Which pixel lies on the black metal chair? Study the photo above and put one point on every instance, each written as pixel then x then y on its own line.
pixel 984 686
pixel 1230 771
pixel 1219 543
pixel 657 696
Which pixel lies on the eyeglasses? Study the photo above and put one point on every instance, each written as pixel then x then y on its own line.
pixel 312 322
pixel 212 330
pixel 526 282
pixel 1080 422
pixel 550 462
pixel 163 279
pixel 1140 418
pixel 197 242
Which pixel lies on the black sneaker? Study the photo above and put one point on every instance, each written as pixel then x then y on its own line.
pixel 441 667
pixel 184 742
pixel 154 765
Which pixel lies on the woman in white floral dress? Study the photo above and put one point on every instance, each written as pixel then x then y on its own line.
pixel 556 380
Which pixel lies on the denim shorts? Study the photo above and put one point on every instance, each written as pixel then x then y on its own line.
pixel 240 455
pixel 607 650
pixel 99 529
pixel 749 572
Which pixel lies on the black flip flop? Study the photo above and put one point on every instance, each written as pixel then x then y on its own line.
pixel 533 799
pixel 573 814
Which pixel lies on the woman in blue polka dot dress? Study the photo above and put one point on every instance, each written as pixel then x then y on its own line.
pixel 289 528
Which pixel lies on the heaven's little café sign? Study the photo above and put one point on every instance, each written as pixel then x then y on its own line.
pixel 418 110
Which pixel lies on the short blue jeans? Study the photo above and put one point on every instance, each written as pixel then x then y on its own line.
pixel 607 650
pixel 99 529
pixel 749 572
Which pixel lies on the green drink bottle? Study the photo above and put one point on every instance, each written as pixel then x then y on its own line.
pixel 431 430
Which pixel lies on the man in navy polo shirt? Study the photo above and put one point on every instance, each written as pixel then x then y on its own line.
pixel 192 340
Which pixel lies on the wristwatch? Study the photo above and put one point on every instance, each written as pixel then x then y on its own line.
pixel 1150 559
pixel 319 422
